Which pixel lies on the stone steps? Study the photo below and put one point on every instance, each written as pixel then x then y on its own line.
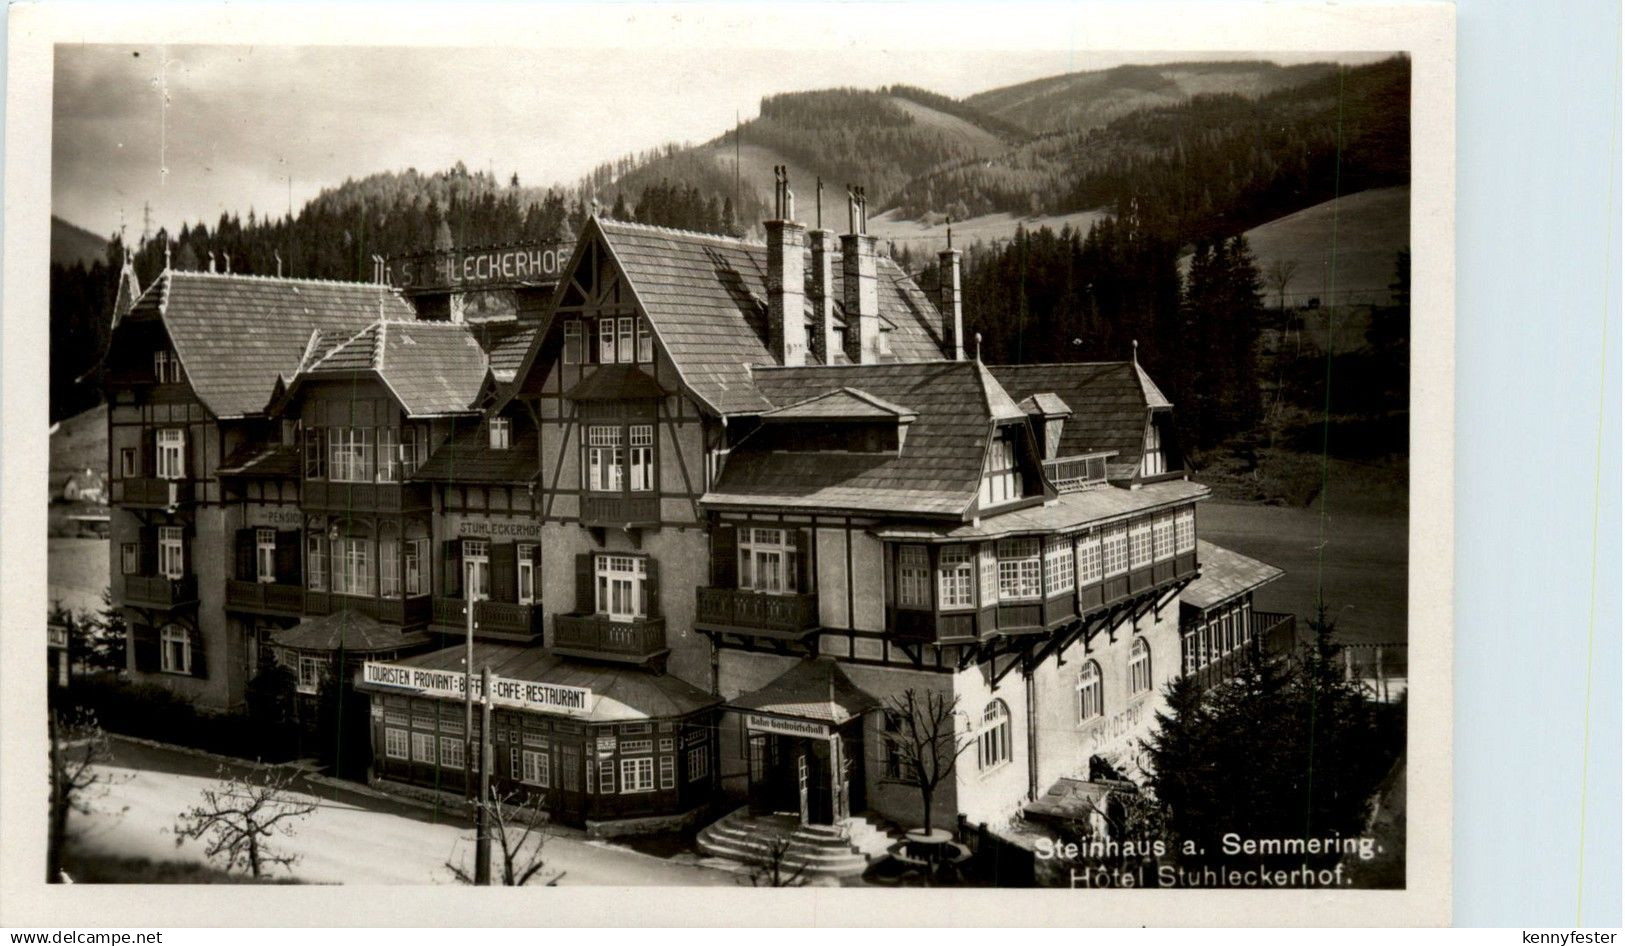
pixel 843 850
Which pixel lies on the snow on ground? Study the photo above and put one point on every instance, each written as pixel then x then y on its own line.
pixel 344 843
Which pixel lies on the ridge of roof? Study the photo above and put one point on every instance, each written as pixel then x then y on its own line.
pixel 864 396
pixel 1000 406
pixel 1153 394
pixel 678 232
pixel 343 345
pixel 303 280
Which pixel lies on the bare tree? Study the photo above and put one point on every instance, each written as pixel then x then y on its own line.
pixel 772 866
pixel 1278 275
pixel 926 745
pixel 79 750
pixel 241 814
pixel 518 826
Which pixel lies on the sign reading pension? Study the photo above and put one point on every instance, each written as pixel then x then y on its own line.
pixel 524 694
pixel 526 264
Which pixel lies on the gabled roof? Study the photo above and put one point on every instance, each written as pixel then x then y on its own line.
pixel 1109 401
pixel 433 368
pixel 841 404
pixel 349 631
pixel 235 334
pixel 1046 404
pixel 815 688
pixel 1226 575
pixel 936 471
pixel 706 297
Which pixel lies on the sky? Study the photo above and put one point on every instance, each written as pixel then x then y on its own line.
pixel 194 131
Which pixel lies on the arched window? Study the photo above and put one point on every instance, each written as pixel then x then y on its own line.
pixel 176 649
pixel 993 743
pixel 1139 666
pixel 1091 695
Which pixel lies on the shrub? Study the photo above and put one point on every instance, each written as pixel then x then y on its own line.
pixel 150 711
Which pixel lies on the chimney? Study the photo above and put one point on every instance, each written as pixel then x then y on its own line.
pixel 858 282
pixel 948 300
pixel 786 277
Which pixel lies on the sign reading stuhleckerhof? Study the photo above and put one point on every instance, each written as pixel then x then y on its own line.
pixel 484 268
pixel 498 529
pixel 523 694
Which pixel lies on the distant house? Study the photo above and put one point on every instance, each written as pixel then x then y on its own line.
pixel 85 486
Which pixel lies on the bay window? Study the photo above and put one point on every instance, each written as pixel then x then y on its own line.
pixel 1058 565
pixel 1088 559
pixel 389 561
pixel 913 577
pixel 352 566
pixel 350 454
pixel 1139 544
pixel 955 577
pixel 767 560
pixel 642 454
pixel 604 459
pixel 1020 571
pixel 1114 551
pixel 389 455
pixel 1162 537
pixel 171 456
pixel 621 586
pixel 1185 530
pixel 171 552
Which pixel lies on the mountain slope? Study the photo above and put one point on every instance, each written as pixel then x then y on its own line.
pixel 72 244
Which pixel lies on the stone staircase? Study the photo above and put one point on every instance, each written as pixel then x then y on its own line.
pixel 838 850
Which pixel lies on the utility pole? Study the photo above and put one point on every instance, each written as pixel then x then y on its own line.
pixel 482 811
pixel 468 679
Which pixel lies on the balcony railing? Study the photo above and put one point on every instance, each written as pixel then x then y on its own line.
pixel 264 598
pixel 363 497
pixel 595 635
pixel 1078 473
pixel 156 591
pixel 494 618
pixel 755 612
pixel 1271 636
pixel 407 612
pixel 150 491
pixel 619 509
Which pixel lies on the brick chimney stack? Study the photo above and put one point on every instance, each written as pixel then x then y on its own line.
pixel 786 277
pixel 949 300
pixel 858 270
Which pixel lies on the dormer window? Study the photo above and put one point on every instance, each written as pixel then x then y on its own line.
pixel 1001 482
pixel 501 430
pixel 166 367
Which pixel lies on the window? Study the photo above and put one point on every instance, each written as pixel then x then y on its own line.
pixel 606 341
pixel 527 574
pixel 913 577
pixel 166 367
pixel 1091 698
pixel 535 768
pixel 315 453
pixel 265 555
pixel 646 343
pixel 636 746
pixel 316 561
pixel 891 738
pixel 1162 538
pixel 352 566
pixel 501 430
pixel 310 674
pixel 699 763
pixel 395 713
pixel 423 747
pixel 129 557
pixel 389 455
pixel 606 777
pixel 350 454
pixel 990 575
pixel 1114 551
pixel 604 459
pixel 625 352
pixel 171 453
pixel 1139 544
pixel 1088 559
pixel 451 752
pixel 642 455
pixel 389 565
pixel 413 554
pixel 1000 482
pixel 176 646
pixel 637 775
pixel 572 342
pixel 955 579
pixel 476 569
pixel 621 586
pixel 171 555
pixel 668 772
pixel 126 461
pixel 395 743
pixel 1057 565
pixel 1155 461
pixel 993 741
pixel 1185 530
pixel 767 560
pixel 1020 573
pixel 1139 666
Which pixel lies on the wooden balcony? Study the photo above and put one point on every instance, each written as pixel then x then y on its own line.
pixel 753 612
pixel 406 612
pixel 614 510
pixel 156 591
pixel 598 637
pixel 255 597
pixel 363 497
pixel 495 619
pixel 150 492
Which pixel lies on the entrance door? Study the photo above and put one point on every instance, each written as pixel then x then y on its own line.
pixel 818 797
pixel 801 780
pixel 568 806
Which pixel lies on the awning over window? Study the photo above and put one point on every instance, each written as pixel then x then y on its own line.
pixel 816 689
pixel 349 631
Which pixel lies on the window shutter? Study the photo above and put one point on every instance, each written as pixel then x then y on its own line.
pixel 724 557
pixel 149 550
pixel 651 589
pixel 149 456
pixel 504 572
pixel 188 539
pixel 804 570
pixel 186 466
pixel 200 663
pixel 144 641
pixel 586 599
pixel 247 569
pixel 287 556
pixel 452 568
